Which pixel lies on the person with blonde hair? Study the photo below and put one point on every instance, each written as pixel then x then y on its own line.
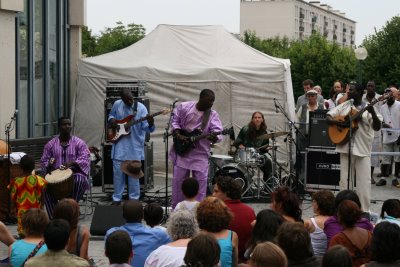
pixel 268 254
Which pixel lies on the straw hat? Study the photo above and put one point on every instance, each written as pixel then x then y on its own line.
pixel 132 168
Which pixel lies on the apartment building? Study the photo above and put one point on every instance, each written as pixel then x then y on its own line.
pixel 296 19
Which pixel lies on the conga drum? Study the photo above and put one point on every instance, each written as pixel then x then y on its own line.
pixel 60 183
pixel 3 147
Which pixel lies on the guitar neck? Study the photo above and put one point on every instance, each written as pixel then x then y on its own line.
pixel 133 122
pixel 202 136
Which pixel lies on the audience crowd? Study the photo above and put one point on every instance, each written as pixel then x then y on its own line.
pixel 219 231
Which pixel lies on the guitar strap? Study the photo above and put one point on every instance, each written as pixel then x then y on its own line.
pixel 206 117
pixel 134 108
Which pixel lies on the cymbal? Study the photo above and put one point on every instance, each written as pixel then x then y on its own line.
pixel 272 135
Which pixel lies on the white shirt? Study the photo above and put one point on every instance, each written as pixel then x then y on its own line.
pixel 166 256
pixel 391 116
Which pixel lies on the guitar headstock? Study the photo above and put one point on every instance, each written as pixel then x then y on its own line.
pixel 385 96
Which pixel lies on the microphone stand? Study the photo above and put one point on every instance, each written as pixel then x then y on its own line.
pixel 165 138
pixel 297 131
pixel 9 127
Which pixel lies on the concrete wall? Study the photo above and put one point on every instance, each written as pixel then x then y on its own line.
pixel 8 9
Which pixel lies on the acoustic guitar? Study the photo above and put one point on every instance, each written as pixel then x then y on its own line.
pixel 123 126
pixel 339 135
pixel 183 147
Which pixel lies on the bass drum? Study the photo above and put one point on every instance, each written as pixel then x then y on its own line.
pixel 236 171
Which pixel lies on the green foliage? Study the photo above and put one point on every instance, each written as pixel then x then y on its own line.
pixel 313 58
pixel 111 39
pixel 383 61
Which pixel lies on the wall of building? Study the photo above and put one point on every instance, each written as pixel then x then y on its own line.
pixel 8 9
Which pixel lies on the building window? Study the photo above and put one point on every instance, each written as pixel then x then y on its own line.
pixel 42 56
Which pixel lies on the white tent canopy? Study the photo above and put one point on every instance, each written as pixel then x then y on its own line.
pixel 177 62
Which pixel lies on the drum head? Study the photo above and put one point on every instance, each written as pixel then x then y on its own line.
pixel 224 157
pixel 58 175
pixel 234 170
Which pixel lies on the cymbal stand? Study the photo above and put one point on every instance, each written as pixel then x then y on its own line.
pixel 274 179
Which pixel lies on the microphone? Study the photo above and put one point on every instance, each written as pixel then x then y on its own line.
pixel 15 114
pixel 276 106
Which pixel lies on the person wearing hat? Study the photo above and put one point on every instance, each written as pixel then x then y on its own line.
pixel 391 139
pixel 303 117
pixel 129 147
pixel 301 100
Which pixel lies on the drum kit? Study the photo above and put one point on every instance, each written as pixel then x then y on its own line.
pixel 245 167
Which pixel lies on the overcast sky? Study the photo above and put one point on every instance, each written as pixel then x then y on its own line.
pixel 368 14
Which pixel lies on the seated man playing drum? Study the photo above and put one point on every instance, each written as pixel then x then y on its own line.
pixel 70 153
pixel 247 138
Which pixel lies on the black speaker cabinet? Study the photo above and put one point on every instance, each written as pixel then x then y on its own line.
pixel 322 169
pixel 318 129
pixel 104 218
pixel 147 166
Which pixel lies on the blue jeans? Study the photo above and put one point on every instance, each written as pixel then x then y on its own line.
pixel 119 183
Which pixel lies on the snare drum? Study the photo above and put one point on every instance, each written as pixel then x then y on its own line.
pixel 60 183
pixel 247 156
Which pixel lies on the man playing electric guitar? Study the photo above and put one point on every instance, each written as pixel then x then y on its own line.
pixel 189 116
pixel 130 146
pixel 361 139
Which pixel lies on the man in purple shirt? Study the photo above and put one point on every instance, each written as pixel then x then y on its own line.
pixel 63 152
pixel 189 116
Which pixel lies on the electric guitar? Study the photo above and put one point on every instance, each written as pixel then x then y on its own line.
pixel 114 133
pixel 339 135
pixel 183 147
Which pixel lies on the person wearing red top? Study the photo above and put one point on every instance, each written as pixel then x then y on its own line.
pixel 229 190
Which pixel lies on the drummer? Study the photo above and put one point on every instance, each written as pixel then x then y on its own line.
pixel 62 152
pixel 247 137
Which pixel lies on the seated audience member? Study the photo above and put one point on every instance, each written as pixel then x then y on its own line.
pixel 78 244
pixel 56 238
pixel 214 217
pixel 265 229
pixel 323 204
pixel 190 190
pixel 118 249
pixel 153 214
pixel 287 204
pixel 202 251
pixel 332 225
pixel 144 239
pixel 337 256
pixel 390 211
pixel 34 221
pixel 385 245
pixel 230 190
pixel 27 191
pixel 268 255
pixel 295 241
pixel 181 227
pixel 5 235
pixel 357 240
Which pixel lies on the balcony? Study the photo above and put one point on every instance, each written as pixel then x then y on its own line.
pixel 302 16
pixel 344 40
pixel 334 37
pixel 301 29
pixel 344 30
pixel 352 32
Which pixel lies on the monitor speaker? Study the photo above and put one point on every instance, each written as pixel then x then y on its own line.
pixel 318 131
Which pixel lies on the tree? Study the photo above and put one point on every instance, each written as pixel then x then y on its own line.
pixel 88 42
pixel 313 58
pixel 383 61
pixel 119 37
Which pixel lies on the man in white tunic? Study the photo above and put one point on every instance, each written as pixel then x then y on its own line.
pixel 359 172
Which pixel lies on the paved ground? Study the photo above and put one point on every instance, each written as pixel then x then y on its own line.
pixel 96 246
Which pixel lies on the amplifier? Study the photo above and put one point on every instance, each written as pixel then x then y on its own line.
pixel 322 169
pixel 318 129
pixel 114 88
pixel 147 167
